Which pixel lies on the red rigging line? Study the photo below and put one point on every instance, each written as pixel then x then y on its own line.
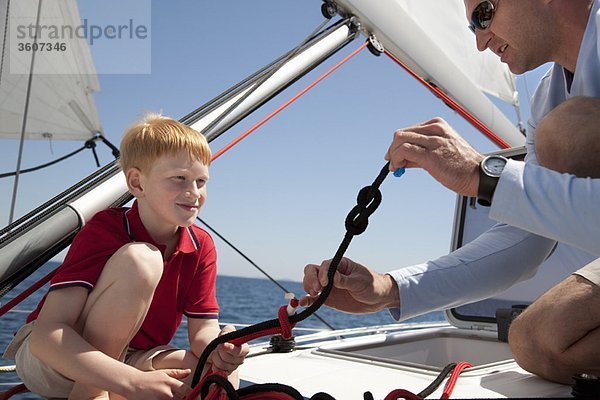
pixel 288 102
pixel 453 104
pixel 26 293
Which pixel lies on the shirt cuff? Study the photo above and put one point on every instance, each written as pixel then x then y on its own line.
pixel 510 180
pixel 405 277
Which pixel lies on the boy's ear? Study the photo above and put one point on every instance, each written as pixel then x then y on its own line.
pixel 134 179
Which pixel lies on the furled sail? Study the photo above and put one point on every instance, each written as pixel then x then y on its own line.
pixel 63 78
pixel 431 37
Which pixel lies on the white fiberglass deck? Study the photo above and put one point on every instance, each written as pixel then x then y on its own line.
pixel 379 362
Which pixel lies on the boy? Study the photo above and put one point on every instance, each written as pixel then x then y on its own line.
pixel 129 276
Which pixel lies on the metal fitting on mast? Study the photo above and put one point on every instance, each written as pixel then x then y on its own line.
pixel 375 46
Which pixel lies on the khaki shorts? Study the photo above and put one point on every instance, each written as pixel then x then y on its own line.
pixel 591 272
pixel 47 382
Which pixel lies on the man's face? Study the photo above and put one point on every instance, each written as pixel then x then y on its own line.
pixel 515 33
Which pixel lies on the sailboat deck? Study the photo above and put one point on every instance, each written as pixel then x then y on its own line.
pixel 398 359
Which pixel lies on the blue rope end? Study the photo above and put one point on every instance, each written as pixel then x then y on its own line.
pixel 399 172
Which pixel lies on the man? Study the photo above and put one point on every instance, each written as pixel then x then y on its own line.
pixel 535 206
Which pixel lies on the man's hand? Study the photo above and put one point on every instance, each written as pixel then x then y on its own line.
pixel 356 289
pixel 437 148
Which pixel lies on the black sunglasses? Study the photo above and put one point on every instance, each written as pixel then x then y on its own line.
pixel 482 16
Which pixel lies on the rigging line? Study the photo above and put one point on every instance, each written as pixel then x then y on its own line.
pixel 26 293
pixel 4 39
pixel 265 273
pixel 262 80
pixel 25 112
pixel 453 104
pixel 288 102
pixel 89 144
pixel 32 169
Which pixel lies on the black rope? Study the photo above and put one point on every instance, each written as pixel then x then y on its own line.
pixel 367 202
pixel 265 273
pixel 438 381
pixel 223 383
pixel 32 169
pixel 89 144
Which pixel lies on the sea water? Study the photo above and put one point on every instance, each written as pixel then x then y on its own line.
pixel 243 301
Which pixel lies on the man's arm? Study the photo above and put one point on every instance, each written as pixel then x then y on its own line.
pixel 558 206
pixel 496 260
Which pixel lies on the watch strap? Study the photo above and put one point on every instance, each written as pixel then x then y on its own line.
pixel 486 189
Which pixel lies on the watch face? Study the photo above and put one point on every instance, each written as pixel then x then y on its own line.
pixel 494 165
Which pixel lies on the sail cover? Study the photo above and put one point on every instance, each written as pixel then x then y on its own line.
pixel 432 38
pixel 61 105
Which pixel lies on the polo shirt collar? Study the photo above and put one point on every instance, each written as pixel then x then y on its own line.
pixel 136 230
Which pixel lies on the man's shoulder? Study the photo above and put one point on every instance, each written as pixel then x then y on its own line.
pixel 549 93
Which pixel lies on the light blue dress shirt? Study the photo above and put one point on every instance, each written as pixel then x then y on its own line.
pixel 535 208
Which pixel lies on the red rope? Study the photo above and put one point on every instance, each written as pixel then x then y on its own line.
pixel 267 396
pixel 27 292
pixel 287 103
pixel 453 378
pixel 12 391
pixel 402 394
pixel 454 105
pixel 284 329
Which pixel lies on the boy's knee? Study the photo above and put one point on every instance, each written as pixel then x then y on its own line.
pixel 143 264
pixel 567 138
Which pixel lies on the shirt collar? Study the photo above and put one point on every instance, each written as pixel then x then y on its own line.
pixel 188 242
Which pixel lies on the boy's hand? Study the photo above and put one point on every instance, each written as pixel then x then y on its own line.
pixel 160 384
pixel 227 356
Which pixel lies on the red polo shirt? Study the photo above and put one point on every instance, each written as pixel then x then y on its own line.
pixel 187 286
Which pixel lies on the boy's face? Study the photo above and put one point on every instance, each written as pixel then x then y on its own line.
pixel 171 193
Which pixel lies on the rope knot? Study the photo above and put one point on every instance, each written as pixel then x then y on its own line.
pixel 367 201
pixel 284 322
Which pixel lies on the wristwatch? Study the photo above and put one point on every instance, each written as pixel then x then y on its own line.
pixel 489 173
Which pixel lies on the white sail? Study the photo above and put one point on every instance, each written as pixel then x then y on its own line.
pixel 61 105
pixel 445 23
pixel 431 37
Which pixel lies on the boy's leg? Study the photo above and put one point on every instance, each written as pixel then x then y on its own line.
pixel 117 306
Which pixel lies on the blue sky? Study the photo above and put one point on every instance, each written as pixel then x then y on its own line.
pixel 282 194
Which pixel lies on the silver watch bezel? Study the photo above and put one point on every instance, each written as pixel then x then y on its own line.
pixel 486 169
